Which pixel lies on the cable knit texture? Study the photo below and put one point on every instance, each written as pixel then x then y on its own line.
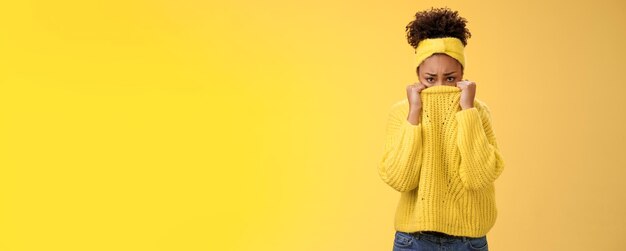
pixel 444 167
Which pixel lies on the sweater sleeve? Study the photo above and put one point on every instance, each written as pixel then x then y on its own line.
pixel 481 161
pixel 402 156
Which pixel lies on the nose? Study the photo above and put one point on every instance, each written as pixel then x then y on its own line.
pixel 439 82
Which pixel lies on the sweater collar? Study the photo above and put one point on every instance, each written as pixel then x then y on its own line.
pixel 441 89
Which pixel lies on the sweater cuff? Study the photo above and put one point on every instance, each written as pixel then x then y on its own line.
pixel 408 124
pixel 468 116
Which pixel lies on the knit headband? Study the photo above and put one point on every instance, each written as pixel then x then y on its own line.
pixel 449 45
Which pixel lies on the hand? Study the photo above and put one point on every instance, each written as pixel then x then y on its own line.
pixel 415 102
pixel 413 94
pixel 468 92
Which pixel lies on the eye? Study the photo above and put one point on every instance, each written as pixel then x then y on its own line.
pixel 451 78
pixel 428 79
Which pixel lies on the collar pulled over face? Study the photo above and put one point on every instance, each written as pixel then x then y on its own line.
pixel 439 105
pixel 441 89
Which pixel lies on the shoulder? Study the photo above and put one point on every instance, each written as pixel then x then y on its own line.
pixel 400 106
pixel 399 109
pixel 481 105
pixel 483 110
pixel 403 103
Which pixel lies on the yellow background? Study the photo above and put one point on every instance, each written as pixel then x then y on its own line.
pixel 258 125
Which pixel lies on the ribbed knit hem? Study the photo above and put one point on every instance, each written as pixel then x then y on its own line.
pixel 407 123
pixel 448 230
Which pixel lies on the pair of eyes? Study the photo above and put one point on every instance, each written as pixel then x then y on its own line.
pixel 428 78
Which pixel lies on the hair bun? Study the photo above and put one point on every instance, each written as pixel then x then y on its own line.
pixel 437 23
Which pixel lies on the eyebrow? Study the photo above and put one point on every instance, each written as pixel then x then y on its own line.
pixel 433 74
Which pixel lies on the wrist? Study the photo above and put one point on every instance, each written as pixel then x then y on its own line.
pixel 465 107
pixel 415 108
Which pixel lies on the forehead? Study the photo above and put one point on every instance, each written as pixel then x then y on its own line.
pixel 440 62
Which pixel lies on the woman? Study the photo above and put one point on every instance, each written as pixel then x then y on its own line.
pixel 440 151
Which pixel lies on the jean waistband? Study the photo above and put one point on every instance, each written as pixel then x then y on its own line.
pixel 434 235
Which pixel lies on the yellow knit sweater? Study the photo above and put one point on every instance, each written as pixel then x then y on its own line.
pixel 444 167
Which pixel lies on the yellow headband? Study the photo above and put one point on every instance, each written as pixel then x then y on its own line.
pixel 449 45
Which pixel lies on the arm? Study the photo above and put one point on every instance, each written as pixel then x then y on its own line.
pixel 481 161
pixel 402 156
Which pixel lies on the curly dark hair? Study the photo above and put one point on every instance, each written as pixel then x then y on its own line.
pixel 436 23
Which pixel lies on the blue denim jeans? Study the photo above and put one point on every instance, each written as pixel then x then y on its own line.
pixel 420 241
